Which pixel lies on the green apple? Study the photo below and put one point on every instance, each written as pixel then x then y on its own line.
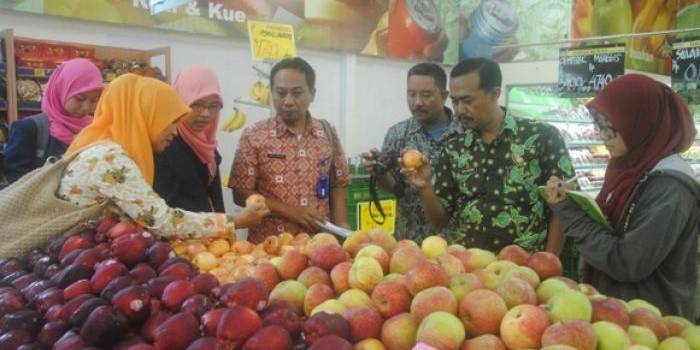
pixel 639 347
pixel 569 305
pixel 462 284
pixel 399 332
pixel 548 288
pixel 674 343
pixel 611 17
pixel 293 292
pixel 476 258
pixel 355 298
pixel 611 336
pixel 433 246
pixel 643 336
pixel 639 303
pixel 332 306
pixel 558 347
pixel 692 336
pixel 441 330
pixel 501 267
pixel 676 324
pixel 365 273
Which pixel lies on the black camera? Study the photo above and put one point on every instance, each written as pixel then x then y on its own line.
pixel 384 162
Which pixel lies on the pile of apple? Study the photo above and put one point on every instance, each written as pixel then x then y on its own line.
pixel 396 295
pixel 117 287
pixel 231 260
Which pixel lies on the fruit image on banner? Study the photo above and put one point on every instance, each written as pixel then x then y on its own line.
pixel 235 121
pixel 497 28
pixel 618 17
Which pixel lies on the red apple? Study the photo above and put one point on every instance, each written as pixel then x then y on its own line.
pixel 545 264
pixel 365 322
pixel 340 276
pixel 516 292
pixel 522 327
pixel 610 309
pixel 424 275
pixel 484 342
pixel 482 311
pixel 514 253
pixel 576 333
pixel 391 298
pixel 431 300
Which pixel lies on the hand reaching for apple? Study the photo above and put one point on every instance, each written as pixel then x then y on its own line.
pixel 305 217
pixel 416 168
pixel 255 209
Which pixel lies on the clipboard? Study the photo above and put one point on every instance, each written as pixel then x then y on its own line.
pixel 586 203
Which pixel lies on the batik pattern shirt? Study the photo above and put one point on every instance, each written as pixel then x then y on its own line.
pixel 411 222
pixel 105 172
pixel 277 163
pixel 490 190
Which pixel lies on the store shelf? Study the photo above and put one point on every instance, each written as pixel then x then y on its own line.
pixel 34 73
pixel 29 106
pixel 589 166
pixel 584 143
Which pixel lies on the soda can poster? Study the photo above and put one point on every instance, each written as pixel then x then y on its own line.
pixel 438 30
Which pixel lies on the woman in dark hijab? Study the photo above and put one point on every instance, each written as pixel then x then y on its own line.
pixel 650 196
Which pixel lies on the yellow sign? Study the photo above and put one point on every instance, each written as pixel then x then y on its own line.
pixel 271 41
pixel 365 215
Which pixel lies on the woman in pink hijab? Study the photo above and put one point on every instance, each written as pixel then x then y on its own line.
pixel 187 172
pixel 67 106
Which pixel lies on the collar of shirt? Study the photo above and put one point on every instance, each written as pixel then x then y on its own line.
pixel 312 128
pixel 509 127
pixel 454 127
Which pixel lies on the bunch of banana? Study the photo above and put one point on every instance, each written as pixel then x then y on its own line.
pixel 260 92
pixel 656 15
pixel 235 121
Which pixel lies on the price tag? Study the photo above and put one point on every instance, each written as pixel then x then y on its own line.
pixel 685 69
pixel 585 71
pixel 40 72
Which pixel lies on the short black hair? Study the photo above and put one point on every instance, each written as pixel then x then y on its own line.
pixel 432 70
pixel 489 72
pixel 298 64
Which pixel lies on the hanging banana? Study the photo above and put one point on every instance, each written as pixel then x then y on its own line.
pixel 260 92
pixel 235 121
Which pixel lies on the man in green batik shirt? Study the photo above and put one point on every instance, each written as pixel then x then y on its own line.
pixel 485 182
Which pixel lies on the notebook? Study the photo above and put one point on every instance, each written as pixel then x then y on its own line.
pixel 585 202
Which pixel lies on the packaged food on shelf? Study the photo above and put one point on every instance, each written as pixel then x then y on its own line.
pixel 28 90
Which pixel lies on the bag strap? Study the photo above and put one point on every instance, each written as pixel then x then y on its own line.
pixel 331 139
pixel 42 134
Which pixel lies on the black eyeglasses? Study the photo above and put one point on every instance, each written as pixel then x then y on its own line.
pixel 602 126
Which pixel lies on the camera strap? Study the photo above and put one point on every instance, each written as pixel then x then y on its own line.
pixel 398 189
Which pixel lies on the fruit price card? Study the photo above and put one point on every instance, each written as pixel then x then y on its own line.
pixel 685 69
pixel 585 71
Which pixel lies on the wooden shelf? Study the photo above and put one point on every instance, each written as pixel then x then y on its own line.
pixel 159 57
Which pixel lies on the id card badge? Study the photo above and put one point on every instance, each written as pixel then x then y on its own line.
pixel 323 187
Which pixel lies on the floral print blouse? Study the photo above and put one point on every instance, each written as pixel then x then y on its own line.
pixel 106 172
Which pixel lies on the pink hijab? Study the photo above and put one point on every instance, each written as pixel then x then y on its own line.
pixel 73 77
pixel 193 83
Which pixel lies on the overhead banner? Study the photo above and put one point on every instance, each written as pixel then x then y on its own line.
pixel 438 30
pixel 650 53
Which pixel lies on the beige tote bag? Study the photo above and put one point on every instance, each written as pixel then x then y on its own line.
pixel 31 215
